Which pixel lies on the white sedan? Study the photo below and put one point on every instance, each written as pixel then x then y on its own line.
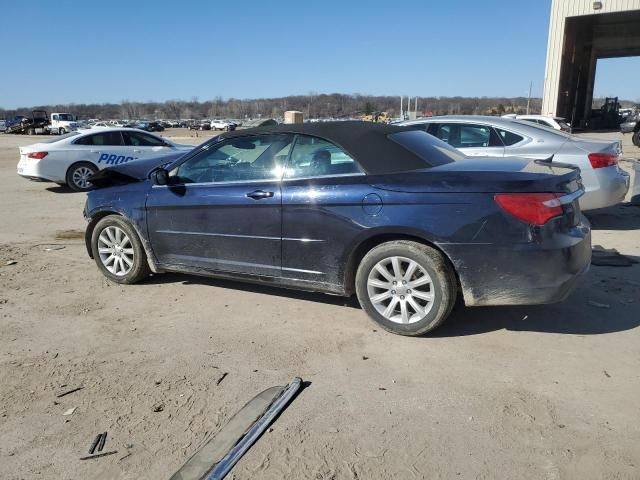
pixel 73 158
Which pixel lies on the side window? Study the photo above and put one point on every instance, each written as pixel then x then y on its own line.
pixel 315 157
pixel 442 131
pixel 478 136
pixel 248 158
pixel 530 120
pixel 509 138
pixel 137 139
pixel 106 139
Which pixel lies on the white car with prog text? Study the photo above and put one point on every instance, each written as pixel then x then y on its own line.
pixel 73 158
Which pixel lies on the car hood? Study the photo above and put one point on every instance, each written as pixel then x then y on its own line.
pixel 135 171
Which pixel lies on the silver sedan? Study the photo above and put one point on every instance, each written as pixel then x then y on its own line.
pixel 604 182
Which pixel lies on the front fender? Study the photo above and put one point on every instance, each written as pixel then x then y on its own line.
pixel 126 202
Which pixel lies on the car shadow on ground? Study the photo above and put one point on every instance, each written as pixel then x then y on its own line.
pixel 623 217
pixel 589 311
pixel 574 316
pixel 186 279
pixel 60 189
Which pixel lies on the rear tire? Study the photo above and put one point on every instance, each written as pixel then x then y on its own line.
pixel 61 131
pixel 636 138
pixel 78 176
pixel 118 251
pixel 422 296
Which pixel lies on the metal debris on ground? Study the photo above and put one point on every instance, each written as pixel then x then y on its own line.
pixel 219 454
pixel 94 445
pixel 62 394
pixel 89 457
pixel 221 378
pixel 11 262
pixel 603 257
pixel 599 305
pixel 103 440
pixel 69 412
pixel 50 249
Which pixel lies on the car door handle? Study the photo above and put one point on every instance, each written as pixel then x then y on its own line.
pixel 259 195
pixel 95 151
pixel 136 151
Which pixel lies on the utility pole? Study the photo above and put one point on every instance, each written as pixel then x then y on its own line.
pixel 529 98
pixel 415 110
pixel 401 115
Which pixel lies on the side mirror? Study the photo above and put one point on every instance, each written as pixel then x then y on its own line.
pixel 160 177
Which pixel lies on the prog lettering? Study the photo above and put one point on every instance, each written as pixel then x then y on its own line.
pixel 113 159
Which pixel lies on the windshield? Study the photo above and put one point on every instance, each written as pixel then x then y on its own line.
pixel 65 117
pixel 61 137
pixel 429 148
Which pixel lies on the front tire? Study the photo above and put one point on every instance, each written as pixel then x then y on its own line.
pixel 118 252
pixel 406 287
pixel 636 138
pixel 78 176
pixel 61 131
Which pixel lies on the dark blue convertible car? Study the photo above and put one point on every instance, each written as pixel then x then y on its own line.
pixel 392 214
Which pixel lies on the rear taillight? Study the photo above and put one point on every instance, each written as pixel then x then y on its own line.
pixel 601 160
pixel 37 155
pixel 532 208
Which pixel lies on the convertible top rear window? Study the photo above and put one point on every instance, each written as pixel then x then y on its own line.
pixel 433 151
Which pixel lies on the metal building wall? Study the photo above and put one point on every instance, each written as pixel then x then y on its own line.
pixel 560 10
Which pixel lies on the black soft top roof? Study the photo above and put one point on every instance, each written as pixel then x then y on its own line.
pixel 366 142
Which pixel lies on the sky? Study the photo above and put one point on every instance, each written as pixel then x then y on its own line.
pixel 67 51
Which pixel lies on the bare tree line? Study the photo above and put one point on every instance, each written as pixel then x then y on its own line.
pixel 312 105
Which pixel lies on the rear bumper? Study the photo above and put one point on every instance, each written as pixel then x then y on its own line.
pixel 613 187
pixel 538 272
pixel 38 171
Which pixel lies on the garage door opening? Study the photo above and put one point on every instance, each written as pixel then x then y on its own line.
pixel 616 91
pixel 583 35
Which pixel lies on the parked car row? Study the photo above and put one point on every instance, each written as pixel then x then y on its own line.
pixel 224 125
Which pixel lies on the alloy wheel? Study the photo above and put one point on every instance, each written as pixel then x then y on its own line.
pixel 400 289
pixel 116 251
pixel 81 177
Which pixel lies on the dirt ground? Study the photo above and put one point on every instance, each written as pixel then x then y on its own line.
pixel 545 392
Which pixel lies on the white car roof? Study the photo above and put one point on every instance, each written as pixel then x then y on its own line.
pixel 541 117
pixel 83 132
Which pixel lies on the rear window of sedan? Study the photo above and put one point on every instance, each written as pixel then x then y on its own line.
pixel 433 151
